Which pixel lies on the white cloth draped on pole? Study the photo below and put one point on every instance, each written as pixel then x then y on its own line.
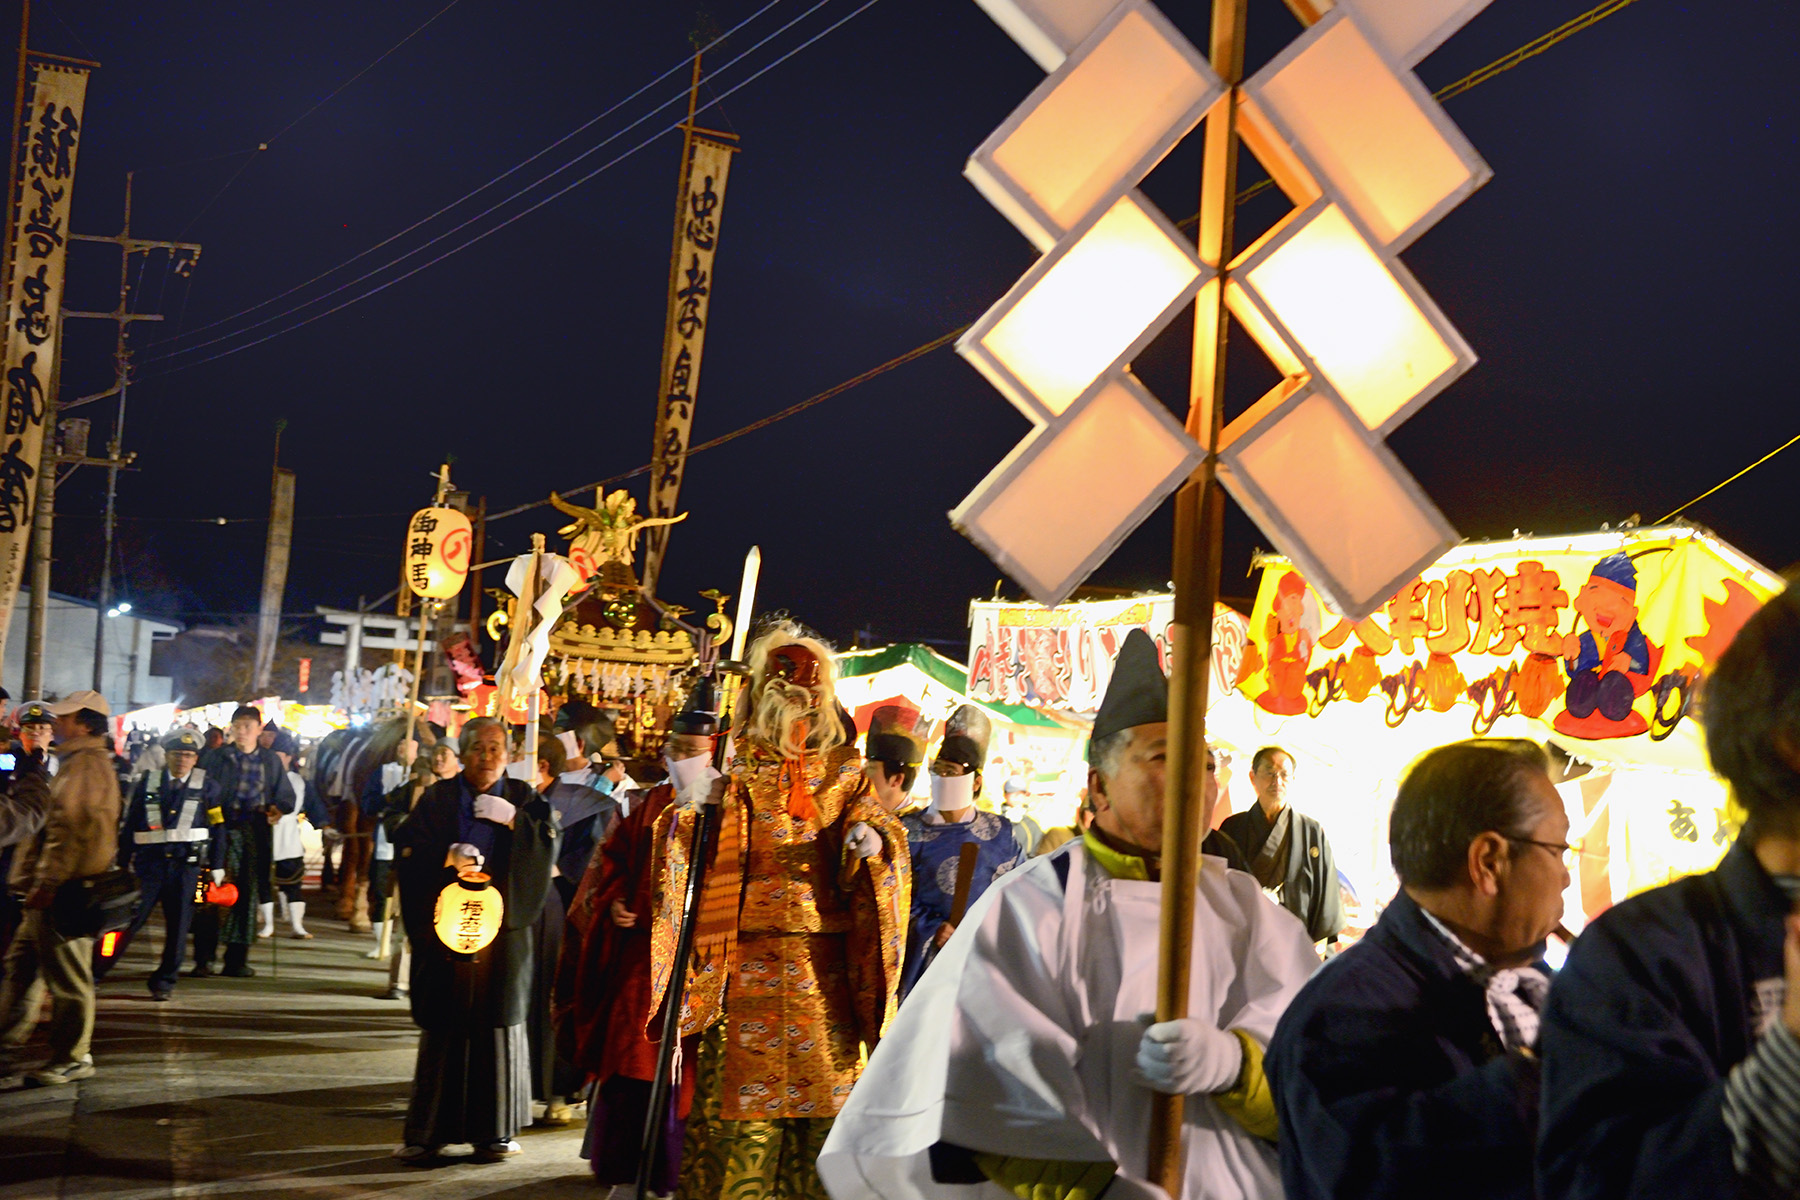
pixel 555 578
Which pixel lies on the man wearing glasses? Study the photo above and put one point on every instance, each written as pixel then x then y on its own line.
pixel 1413 1054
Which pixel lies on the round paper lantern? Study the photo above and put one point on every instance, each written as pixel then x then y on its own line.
pixel 438 541
pixel 468 912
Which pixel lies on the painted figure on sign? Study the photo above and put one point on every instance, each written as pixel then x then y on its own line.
pixel 1293 629
pixel 1609 665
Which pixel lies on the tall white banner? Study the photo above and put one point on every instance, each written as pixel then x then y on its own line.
pixel 49 135
pixel 690 303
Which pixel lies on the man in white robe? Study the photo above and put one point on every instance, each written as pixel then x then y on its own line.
pixel 1025 1057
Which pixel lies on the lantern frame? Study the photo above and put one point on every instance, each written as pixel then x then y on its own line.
pixel 1289 352
pixel 974 345
pixel 1053 113
pixel 1357 171
pixel 1100 403
pixel 1409 30
pixel 1048 30
pixel 1379 465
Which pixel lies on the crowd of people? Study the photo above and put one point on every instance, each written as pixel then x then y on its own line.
pixel 891 1001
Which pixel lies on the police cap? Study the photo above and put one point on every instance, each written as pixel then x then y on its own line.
pixel 35 712
pixel 184 739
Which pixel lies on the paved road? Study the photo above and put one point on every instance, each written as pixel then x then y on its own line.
pixel 290 1084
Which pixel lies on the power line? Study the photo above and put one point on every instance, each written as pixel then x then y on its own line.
pixel 527 211
pixel 426 24
pixel 1709 491
pixel 579 129
pixel 1473 79
pixel 898 360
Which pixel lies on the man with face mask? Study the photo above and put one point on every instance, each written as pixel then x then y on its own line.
pixel 1014 794
pixel 937 837
pixel 606 973
pixel 1027 1055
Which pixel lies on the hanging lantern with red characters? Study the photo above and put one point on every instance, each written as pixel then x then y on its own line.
pixel 438 542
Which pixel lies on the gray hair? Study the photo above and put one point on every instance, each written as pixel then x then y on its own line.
pixel 474 727
pixel 1103 753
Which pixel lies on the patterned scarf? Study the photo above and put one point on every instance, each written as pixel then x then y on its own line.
pixel 1515 995
pixel 721 890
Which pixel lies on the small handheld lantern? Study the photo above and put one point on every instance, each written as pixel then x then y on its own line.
pixel 438 541
pixel 468 913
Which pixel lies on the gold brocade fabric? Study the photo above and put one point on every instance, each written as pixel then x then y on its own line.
pixel 810 979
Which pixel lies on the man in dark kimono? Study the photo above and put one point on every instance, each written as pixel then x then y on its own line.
pixel 606 966
pixel 937 835
pixel 471 1083
pixel 253 793
pixel 1672 1037
pixel 1405 1067
pixel 1286 849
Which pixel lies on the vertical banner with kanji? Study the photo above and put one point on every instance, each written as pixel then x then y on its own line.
pixel 690 303
pixel 49 135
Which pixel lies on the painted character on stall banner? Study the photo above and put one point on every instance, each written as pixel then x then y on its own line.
pixel 1610 665
pixel 1293 630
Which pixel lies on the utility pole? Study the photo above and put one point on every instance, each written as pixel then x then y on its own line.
pixel 114 460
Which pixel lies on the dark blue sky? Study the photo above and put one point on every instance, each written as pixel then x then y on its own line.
pixel 1626 279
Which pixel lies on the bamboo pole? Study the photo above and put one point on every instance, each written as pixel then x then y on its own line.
pixel 1199 529
pixel 528 606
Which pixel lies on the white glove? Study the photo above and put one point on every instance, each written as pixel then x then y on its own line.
pixel 1188 1057
pixel 862 841
pixel 493 808
pixel 462 855
pixel 218 876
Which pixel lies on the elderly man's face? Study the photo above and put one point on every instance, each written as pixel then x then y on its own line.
pixel 1272 778
pixel 1531 881
pixel 485 758
pixel 181 762
pixel 1129 805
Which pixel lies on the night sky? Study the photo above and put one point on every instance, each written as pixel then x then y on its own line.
pixel 1626 279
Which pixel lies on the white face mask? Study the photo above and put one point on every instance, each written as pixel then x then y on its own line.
pixel 684 771
pixel 952 793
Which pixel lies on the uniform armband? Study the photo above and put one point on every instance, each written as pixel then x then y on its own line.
pixel 215 816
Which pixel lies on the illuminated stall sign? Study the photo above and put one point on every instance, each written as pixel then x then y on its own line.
pixel 1598 638
pixel 1062 657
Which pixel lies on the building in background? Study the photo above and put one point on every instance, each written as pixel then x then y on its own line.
pixel 127 679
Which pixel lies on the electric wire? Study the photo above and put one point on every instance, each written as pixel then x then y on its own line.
pixel 559 193
pixel 516 167
pixel 1473 79
pixel 333 94
pixel 1733 479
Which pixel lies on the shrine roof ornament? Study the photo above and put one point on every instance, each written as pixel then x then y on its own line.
pixel 1369 161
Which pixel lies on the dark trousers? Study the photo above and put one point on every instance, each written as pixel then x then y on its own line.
pixel 168 881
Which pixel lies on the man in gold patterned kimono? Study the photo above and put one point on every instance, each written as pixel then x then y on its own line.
pixel 801 932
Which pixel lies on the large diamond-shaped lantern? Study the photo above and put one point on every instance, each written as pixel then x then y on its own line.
pixel 1369 161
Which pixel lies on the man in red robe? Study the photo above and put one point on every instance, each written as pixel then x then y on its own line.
pixel 606 958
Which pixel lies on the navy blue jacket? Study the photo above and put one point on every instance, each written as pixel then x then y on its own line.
pixel 1390 1080
pixel 1657 1003
pixel 169 802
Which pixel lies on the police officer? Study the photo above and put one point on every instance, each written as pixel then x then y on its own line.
pixel 175 827
pixel 37 728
